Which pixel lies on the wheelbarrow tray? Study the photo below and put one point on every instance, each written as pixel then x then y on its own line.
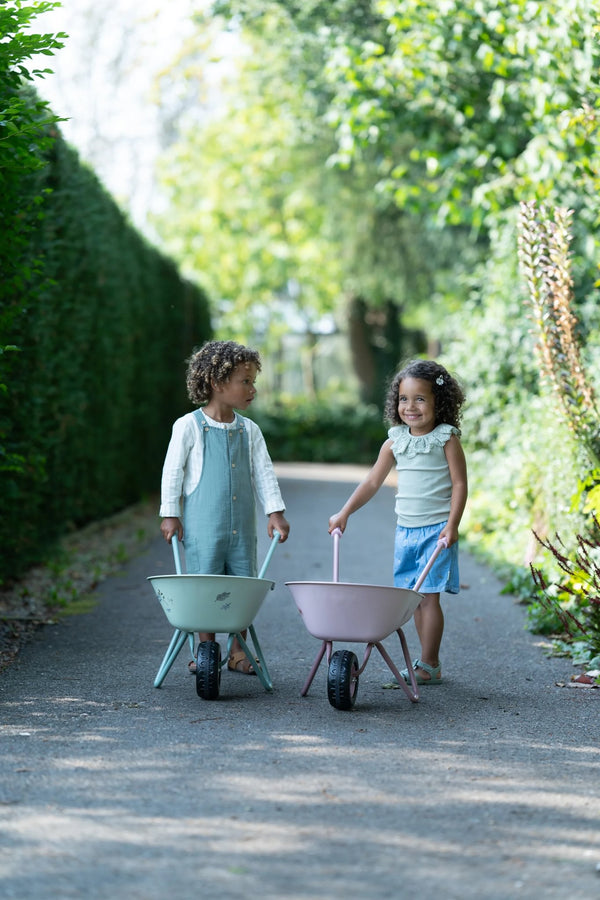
pixel 342 611
pixel 211 603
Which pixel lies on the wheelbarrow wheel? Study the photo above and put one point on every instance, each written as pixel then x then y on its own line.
pixel 208 670
pixel 342 679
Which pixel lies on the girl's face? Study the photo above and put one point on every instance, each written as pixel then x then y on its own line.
pixel 416 405
pixel 239 391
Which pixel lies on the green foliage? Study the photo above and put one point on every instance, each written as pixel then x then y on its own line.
pixel 283 240
pixel 254 234
pixel 515 441
pixel 544 242
pixel 470 105
pixel 455 112
pixel 22 134
pixel 103 330
pixel 448 75
pixel 575 599
pixel 299 430
pixel 542 618
pixel 24 137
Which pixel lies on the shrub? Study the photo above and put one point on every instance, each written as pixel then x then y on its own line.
pixel 301 430
pixel 575 600
pixel 101 326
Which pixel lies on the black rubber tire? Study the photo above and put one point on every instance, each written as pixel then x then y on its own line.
pixel 208 670
pixel 342 679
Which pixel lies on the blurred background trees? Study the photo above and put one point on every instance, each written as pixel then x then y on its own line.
pixel 413 132
pixel 344 181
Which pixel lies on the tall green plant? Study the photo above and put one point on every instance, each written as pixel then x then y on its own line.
pixel 543 240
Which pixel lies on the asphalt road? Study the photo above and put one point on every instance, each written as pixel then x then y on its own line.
pixel 487 788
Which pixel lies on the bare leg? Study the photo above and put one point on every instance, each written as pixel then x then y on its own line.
pixel 429 622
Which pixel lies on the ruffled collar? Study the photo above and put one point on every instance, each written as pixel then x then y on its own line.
pixel 411 445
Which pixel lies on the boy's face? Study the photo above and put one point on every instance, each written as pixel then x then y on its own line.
pixel 239 391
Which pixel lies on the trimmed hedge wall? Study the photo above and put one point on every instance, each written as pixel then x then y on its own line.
pixel 103 323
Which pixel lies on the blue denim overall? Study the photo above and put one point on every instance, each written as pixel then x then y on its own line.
pixel 219 516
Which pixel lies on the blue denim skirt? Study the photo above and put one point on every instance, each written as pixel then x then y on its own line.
pixel 412 551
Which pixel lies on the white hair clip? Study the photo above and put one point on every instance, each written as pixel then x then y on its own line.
pixel 439 379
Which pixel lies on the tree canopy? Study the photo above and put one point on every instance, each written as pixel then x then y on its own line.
pixel 491 99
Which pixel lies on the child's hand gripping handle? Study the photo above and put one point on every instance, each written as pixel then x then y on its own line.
pixel 336 535
pixel 441 545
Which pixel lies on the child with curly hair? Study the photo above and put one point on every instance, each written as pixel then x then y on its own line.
pixel 216 469
pixel 423 405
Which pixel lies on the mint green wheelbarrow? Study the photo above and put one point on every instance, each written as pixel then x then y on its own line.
pixel 212 603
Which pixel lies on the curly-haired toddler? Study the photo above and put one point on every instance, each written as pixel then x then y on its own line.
pixel 423 405
pixel 216 469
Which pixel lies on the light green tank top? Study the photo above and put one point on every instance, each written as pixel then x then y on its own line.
pixel 424 484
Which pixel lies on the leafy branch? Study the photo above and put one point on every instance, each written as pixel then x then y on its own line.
pixel 576 601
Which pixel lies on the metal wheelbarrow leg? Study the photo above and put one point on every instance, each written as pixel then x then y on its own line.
pixel 177 641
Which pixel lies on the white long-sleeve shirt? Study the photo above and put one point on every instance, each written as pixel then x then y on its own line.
pixel 183 465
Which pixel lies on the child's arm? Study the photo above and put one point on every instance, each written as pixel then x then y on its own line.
pixel 265 484
pixel 366 489
pixel 458 475
pixel 278 522
pixel 183 436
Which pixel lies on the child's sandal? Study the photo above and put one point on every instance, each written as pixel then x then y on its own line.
pixel 434 672
pixel 237 658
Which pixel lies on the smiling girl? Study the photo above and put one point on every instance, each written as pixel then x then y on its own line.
pixel 423 405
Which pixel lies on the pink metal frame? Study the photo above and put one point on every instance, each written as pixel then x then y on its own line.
pixel 412 690
pixel 327 648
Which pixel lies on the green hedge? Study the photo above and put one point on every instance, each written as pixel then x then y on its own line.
pixel 303 431
pixel 102 323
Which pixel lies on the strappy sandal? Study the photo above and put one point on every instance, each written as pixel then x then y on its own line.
pixel 233 663
pixel 434 672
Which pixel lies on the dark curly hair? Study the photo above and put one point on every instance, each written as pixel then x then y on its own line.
pixel 214 362
pixel 448 395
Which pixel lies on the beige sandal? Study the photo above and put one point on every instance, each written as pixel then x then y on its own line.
pixel 237 658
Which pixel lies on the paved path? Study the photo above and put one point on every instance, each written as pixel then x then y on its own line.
pixel 488 788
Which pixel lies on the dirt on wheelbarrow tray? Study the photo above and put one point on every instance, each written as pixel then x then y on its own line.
pixel 80 562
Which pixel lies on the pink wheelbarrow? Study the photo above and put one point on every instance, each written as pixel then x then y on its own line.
pixel 360 613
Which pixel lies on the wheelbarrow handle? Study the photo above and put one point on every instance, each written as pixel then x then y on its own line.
pixel 274 542
pixel 442 544
pixel 176 556
pixel 336 535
